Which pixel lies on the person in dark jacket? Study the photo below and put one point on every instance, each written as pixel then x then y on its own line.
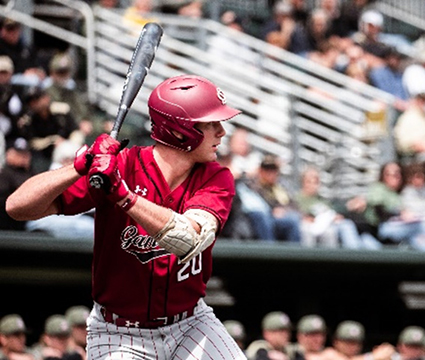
pixel 16 170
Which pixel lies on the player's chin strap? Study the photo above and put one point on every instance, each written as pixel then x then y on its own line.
pixel 180 238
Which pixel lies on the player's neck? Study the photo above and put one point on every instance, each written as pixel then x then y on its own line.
pixel 174 164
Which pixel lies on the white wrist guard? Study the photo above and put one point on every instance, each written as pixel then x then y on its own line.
pixel 180 238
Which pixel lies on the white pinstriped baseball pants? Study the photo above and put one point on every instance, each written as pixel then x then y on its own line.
pixel 199 337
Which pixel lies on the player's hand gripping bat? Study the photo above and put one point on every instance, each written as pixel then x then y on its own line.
pixel 141 62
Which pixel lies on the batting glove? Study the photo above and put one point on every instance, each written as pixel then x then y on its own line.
pixel 104 144
pixel 82 162
pixel 106 166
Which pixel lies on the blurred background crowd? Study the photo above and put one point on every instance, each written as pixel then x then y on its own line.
pixel 63 336
pixel 45 116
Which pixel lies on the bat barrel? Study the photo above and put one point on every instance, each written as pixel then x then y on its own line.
pixel 141 61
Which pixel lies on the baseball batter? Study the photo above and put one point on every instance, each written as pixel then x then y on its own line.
pixel 157 218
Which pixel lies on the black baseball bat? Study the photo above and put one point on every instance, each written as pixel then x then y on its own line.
pixel 141 61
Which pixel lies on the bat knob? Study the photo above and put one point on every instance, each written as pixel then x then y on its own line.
pixel 96 181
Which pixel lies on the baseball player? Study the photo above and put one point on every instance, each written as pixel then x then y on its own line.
pixel 156 222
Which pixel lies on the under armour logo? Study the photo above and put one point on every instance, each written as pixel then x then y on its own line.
pixel 143 191
pixel 128 323
pixel 221 96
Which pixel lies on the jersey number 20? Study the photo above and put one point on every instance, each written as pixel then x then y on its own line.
pixel 193 267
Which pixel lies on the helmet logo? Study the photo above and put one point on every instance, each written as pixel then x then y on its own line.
pixel 221 96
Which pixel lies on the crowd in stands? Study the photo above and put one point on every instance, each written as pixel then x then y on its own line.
pixel 268 208
pixel 45 117
pixel 63 337
pixel 313 340
pixel 391 212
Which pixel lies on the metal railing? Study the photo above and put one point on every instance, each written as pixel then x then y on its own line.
pixel 297 109
pixel 304 112
pixel 415 8
pixel 84 42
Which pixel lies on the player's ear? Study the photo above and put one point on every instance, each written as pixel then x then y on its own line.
pixel 178 135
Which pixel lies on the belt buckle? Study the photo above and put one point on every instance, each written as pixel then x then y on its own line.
pixel 168 320
pixel 164 319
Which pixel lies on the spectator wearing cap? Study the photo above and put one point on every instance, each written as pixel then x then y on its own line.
pixel 13 338
pixel 276 329
pixel 46 124
pixel 61 71
pixel 62 88
pixel 411 343
pixel 268 204
pixel 413 76
pixel 11 103
pixel 77 318
pixel 348 338
pixel 371 23
pixel 54 341
pixel 27 67
pixel 16 170
pixel 311 335
pixel 237 331
pixel 372 38
pixel 347 343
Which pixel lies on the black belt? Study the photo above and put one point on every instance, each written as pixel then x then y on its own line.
pixel 112 318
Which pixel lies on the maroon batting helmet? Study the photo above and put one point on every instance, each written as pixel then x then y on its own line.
pixel 178 103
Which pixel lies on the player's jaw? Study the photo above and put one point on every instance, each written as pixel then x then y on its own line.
pixel 213 132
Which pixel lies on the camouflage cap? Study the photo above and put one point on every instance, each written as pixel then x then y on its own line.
pixel 6 64
pixel 77 315
pixel 412 335
pixel 61 62
pixel 19 144
pixel 12 324
pixel 276 320
pixel 57 325
pixel 235 329
pixel 311 324
pixel 350 331
pixel 11 24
